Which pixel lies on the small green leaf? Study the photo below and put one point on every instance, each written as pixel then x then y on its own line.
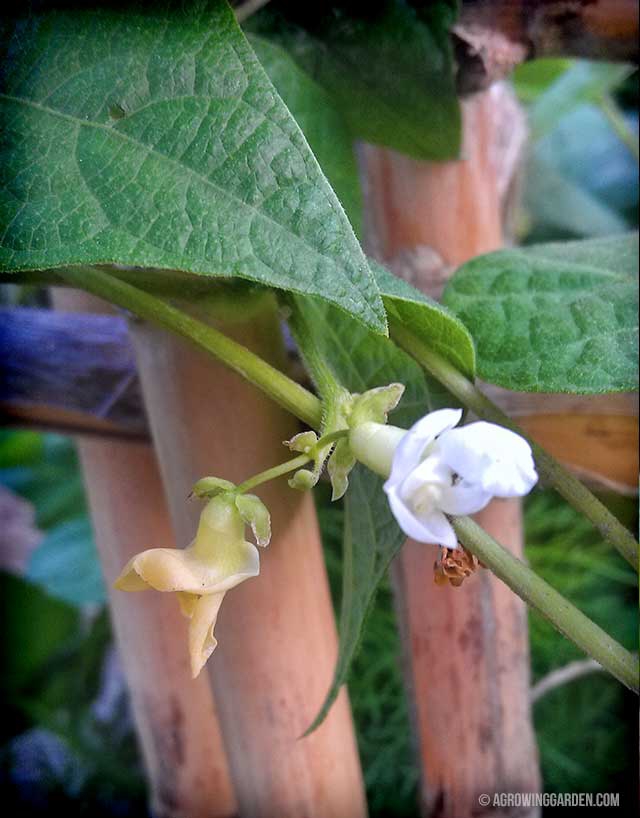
pixel 533 77
pixel 583 82
pixel 554 317
pixel 390 70
pixel 428 320
pixel 202 168
pixel 34 626
pixel 371 539
pixel 66 564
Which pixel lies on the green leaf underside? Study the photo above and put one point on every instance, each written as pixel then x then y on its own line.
pixel 361 360
pixel 322 124
pixel 154 138
pixel 434 324
pixel 371 539
pixel 554 317
pixel 390 71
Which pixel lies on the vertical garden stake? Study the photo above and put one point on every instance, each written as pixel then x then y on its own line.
pixel 176 721
pixel 276 632
pixel 466 648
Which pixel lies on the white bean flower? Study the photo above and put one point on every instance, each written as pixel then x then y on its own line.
pixel 435 469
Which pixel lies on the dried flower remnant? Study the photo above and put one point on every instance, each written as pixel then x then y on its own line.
pixel 453 566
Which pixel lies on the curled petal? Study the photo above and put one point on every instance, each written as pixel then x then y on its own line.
pixel 496 459
pixel 464 498
pixel 172 569
pixel 431 471
pixel 203 613
pixel 411 448
pixel 431 528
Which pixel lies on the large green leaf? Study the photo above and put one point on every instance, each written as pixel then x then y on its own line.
pixel 427 319
pixel 153 137
pixel 322 124
pixel 554 317
pixel 389 69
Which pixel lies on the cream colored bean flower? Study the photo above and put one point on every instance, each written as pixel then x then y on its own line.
pixel 218 559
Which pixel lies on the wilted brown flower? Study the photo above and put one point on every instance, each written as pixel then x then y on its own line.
pixel 453 566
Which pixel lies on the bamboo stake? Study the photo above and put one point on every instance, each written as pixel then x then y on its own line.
pixel 276 633
pixel 467 661
pixel 175 716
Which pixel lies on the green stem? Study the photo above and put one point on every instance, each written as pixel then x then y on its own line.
pixel 290 465
pixel 564 616
pixel 618 123
pixel 328 387
pixel 273 472
pixel 573 491
pixel 283 390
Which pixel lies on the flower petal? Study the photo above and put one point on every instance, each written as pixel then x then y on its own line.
pixel 202 641
pixel 432 528
pixel 410 450
pixel 464 498
pixel 173 569
pixel 496 459
pixel 130 579
pixel 432 470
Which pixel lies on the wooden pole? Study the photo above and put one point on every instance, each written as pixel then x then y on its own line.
pixel 492 36
pixel 175 716
pixel 276 633
pixel 467 660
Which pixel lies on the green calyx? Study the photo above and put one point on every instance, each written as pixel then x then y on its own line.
pixel 345 413
pixel 253 511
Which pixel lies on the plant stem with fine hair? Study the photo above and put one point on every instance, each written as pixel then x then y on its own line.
pixel 537 593
pixel 283 390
